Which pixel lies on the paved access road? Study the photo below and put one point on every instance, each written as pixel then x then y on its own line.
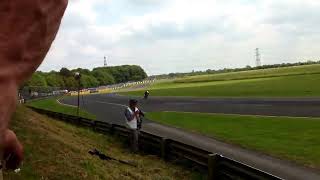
pixel 110 108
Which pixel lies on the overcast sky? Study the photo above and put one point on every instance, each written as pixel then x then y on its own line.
pixel 166 36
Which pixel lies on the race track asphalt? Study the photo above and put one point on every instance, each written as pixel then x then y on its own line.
pixel 110 108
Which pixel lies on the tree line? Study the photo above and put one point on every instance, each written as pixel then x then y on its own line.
pixel 102 76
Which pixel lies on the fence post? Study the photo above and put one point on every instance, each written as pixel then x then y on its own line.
pixel 213 166
pixel 163 148
pixel 134 136
pixel 94 125
pixel 78 121
pixel 112 129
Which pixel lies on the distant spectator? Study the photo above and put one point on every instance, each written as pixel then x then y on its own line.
pixel 20 98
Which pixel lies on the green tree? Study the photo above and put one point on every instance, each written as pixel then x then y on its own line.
pixel 70 83
pixel 55 80
pixel 125 73
pixel 99 76
pixel 88 81
pixel 37 80
pixel 103 77
pixel 65 72
pixel 81 71
pixel 136 73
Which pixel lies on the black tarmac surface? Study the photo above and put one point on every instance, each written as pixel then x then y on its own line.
pixel 110 108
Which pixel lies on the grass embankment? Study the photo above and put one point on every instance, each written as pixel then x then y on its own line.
pixel 52 105
pixel 298 81
pixel 263 73
pixel 296 139
pixel 56 150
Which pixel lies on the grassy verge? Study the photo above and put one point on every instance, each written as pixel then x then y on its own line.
pixel 296 139
pixel 273 72
pixel 55 150
pixel 286 86
pixel 52 105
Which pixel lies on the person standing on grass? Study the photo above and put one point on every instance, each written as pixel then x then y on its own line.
pixel 133 118
pixel 28 28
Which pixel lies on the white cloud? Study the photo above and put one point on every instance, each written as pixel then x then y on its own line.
pixel 180 35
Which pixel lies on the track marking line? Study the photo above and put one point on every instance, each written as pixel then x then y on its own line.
pixel 63 104
pixel 103 102
pixel 293 117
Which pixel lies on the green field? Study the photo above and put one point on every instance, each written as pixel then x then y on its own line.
pixel 263 73
pixel 56 150
pixel 52 105
pixel 296 139
pixel 299 81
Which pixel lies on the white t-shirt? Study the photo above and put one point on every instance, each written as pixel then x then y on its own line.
pixel 133 124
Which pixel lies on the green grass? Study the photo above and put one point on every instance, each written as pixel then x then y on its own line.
pixel 52 105
pixel 56 150
pixel 296 139
pixel 273 72
pixel 299 81
pixel 286 86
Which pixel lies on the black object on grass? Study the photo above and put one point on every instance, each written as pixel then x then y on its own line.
pixel 104 157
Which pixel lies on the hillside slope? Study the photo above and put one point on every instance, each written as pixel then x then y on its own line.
pixel 55 150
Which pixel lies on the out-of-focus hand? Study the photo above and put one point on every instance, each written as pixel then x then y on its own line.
pixel 27 30
pixel 13 150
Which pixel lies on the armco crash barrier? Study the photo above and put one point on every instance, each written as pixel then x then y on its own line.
pixel 218 167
